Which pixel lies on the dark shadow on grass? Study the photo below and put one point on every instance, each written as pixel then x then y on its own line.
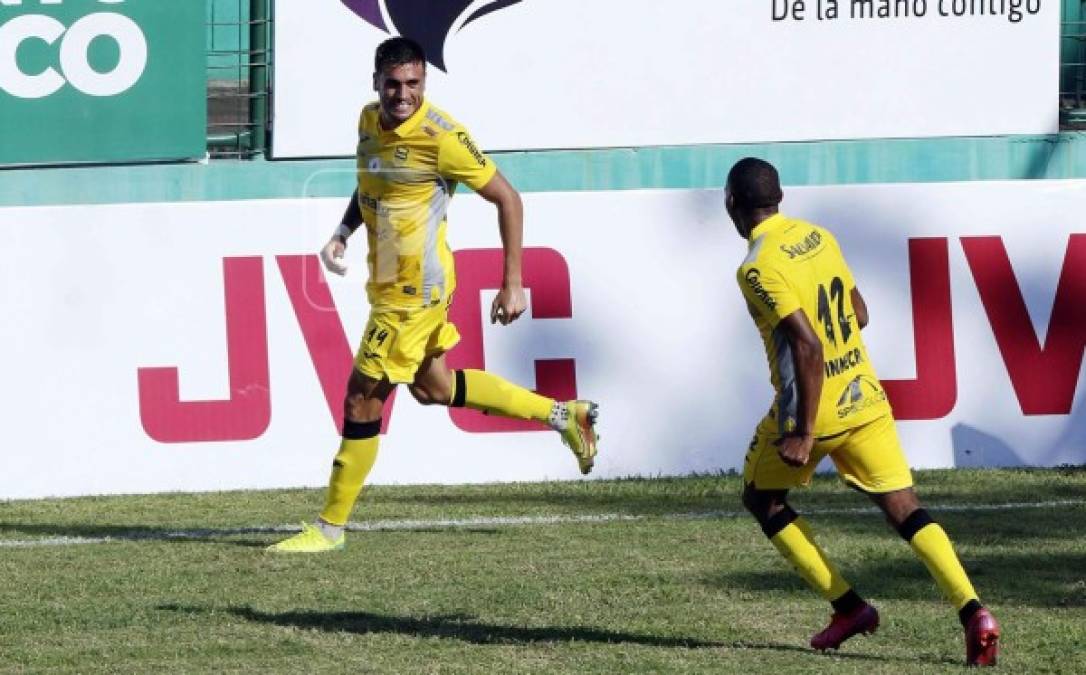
pixel 223 536
pixel 468 629
pixel 1054 580
pixel 452 626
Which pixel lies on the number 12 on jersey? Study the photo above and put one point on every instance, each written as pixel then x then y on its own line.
pixel 836 295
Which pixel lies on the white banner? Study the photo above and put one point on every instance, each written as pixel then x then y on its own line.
pixel 195 346
pixel 574 74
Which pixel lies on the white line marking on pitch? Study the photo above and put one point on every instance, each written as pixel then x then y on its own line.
pixel 492 521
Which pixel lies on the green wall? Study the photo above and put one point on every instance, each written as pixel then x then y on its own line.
pixel 814 163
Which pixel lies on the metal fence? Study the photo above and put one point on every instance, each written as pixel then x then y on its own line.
pixel 238 65
pixel 1073 65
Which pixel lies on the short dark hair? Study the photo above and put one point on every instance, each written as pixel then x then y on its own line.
pixel 755 184
pixel 397 51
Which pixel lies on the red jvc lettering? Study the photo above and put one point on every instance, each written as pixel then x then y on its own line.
pixel 246 413
pixel 1043 377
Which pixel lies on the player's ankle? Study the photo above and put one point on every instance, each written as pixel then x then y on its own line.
pixel 559 417
pixel 330 531
pixel 848 603
pixel 966 613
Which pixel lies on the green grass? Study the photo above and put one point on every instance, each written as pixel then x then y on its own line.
pixel 657 593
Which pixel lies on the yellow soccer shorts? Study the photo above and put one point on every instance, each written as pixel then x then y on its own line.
pixel 868 457
pixel 396 341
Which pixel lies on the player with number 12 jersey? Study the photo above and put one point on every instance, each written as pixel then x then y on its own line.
pixel 793 264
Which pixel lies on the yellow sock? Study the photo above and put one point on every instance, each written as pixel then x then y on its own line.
pixel 796 543
pixel 934 548
pixel 349 470
pixel 480 390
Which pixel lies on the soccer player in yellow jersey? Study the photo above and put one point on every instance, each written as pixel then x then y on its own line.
pixel 411 156
pixel 805 304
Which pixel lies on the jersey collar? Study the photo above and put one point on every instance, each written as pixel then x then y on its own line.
pixel 770 223
pixel 412 123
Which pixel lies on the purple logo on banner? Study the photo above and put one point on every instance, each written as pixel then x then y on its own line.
pixel 424 21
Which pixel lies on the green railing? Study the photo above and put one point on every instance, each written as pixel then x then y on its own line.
pixel 1073 65
pixel 238 65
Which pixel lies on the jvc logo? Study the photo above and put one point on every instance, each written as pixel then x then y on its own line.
pixel 246 414
pixel 73 43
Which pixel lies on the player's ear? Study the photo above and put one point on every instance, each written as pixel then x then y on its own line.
pixel 375 87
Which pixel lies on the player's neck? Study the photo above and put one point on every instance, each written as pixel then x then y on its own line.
pixel 386 123
pixel 755 217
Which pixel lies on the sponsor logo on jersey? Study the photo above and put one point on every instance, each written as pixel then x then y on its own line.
pixel 843 364
pixel 860 393
pixel 754 280
pixel 437 119
pixel 372 203
pixel 401 153
pixel 466 141
pixel 803 247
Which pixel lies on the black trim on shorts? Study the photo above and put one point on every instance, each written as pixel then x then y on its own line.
pixel 917 520
pixel 358 431
pixel 461 390
pixel 778 521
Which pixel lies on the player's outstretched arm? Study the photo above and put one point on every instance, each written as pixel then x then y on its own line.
pixel 510 302
pixel 859 307
pixel 795 449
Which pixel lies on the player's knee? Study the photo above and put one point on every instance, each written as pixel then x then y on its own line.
pixel 898 506
pixel 362 409
pixel 757 502
pixel 430 394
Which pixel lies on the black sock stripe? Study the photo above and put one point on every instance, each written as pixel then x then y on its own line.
pixel 848 603
pixel 461 390
pixel 357 431
pixel 778 521
pixel 917 520
pixel 966 613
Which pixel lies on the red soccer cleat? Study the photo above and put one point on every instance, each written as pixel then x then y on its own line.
pixel 843 626
pixel 981 639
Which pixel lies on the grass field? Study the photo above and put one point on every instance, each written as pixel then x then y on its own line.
pixel 597 576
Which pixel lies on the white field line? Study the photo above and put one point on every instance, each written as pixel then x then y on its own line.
pixel 493 521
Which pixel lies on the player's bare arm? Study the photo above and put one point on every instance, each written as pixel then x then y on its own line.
pixel 332 253
pixel 510 302
pixel 859 307
pixel 795 448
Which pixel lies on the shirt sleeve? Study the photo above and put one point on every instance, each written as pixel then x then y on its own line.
pixel 767 292
pixel 460 159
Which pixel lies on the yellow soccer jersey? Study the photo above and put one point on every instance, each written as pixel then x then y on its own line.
pixel 794 265
pixel 406 177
